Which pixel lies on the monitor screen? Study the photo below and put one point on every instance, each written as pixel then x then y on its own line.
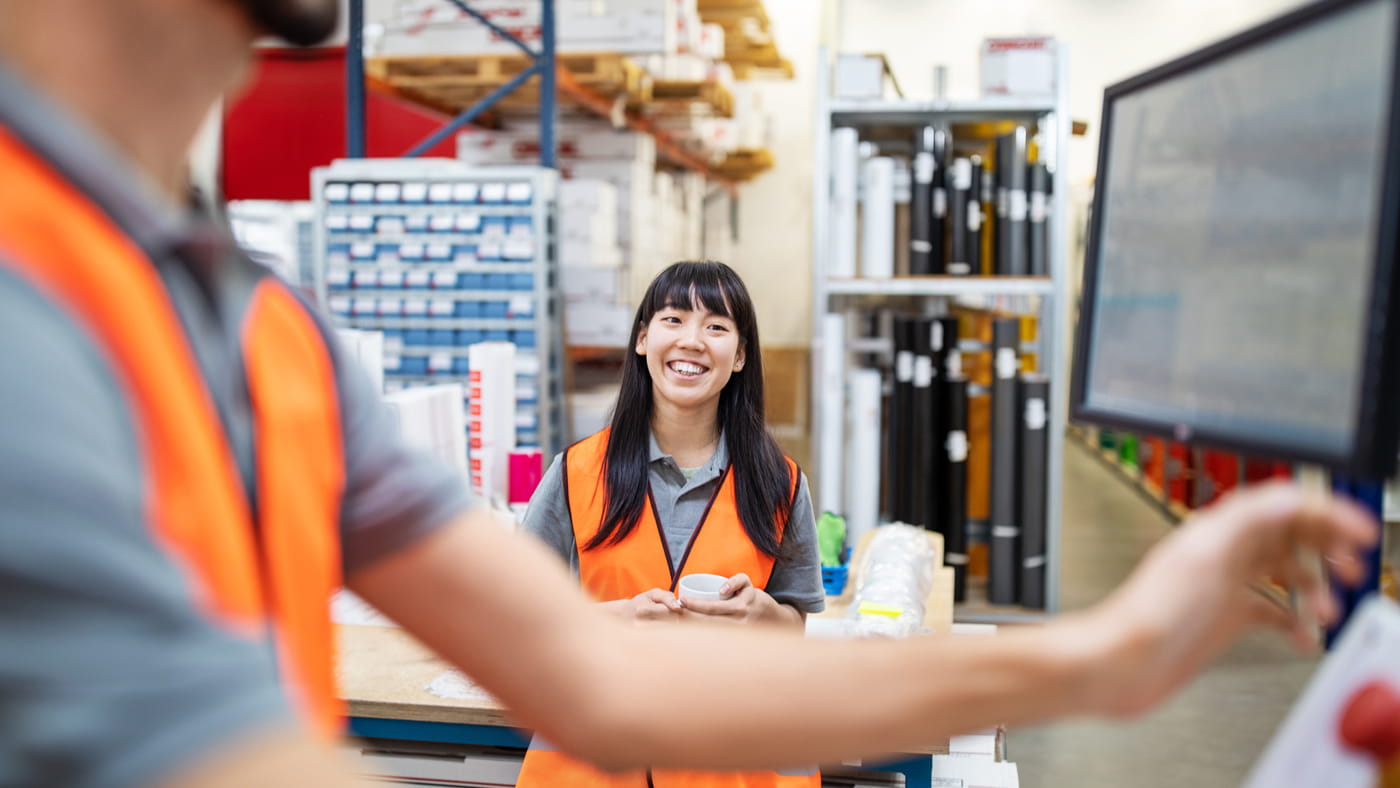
pixel 1237 223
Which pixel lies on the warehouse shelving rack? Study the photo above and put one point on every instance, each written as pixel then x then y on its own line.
pixel 1052 292
pixel 380 220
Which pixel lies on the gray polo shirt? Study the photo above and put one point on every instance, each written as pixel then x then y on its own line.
pixel 109 675
pixel 797 576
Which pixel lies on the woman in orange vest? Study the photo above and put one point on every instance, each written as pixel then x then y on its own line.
pixel 686 480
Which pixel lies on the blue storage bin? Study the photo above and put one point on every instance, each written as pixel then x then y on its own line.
pixel 469 309
pixel 415 337
pixel 497 282
pixel 416 223
pixel 461 366
pixel 468 281
pixel 468 337
pixel 834 577
pixel 441 337
pixel 524 225
pixel 413 365
pixel 522 281
pixel 393 341
pixel 464 253
pixel 497 227
pixel 496 335
pixel 493 310
pixel 523 339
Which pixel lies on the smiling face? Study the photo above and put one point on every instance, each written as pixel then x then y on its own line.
pixel 691 355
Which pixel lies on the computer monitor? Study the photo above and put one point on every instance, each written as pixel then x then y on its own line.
pixel 1241 259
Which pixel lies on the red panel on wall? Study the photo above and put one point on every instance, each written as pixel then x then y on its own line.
pixel 291 118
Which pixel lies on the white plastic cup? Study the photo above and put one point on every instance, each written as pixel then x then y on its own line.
pixel 701 587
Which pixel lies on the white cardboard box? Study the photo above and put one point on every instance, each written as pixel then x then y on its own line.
pixel 598 325
pixel 586 284
pixel 422 27
pixel 522 144
pixel 859 76
pixel 1022 67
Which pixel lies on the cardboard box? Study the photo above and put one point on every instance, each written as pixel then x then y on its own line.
pixel 423 27
pixel 1022 67
pixel 598 325
pixel 586 284
pixel 859 76
pixel 572 142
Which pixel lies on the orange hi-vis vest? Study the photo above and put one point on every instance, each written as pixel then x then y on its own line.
pixel 641 562
pixel 269 575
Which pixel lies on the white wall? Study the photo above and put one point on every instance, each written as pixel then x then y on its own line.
pixel 1108 40
pixel 774 251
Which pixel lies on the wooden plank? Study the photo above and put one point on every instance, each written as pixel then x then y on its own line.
pixel 384 672
pixel 671 94
pixel 454 83
pixel 746 163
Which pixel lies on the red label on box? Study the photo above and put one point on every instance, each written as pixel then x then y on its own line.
pixel 1008 44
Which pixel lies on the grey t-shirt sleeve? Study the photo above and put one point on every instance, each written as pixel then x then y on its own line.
pixel 797 575
pixel 548 518
pixel 394 494
pixel 109 674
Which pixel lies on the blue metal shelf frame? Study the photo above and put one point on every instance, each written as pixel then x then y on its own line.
pixel 544 66
pixel 917 769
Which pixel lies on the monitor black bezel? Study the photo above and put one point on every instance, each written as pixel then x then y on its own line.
pixel 1377 430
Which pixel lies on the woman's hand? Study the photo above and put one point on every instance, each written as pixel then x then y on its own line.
pixel 658 604
pixel 1198 590
pixel 745 604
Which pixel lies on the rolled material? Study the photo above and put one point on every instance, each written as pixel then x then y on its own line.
pixel 900 420
pixel 1012 229
pixel 1038 214
pixel 975 198
pixel 845 170
pixel 954 504
pixel 999 237
pixel 990 223
pixel 832 412
pixel 1003 570
pixel 877 219
pixel 959 187
pixel 863 467
pixel 943 340
pixel 921 427
pixel 921 250
pixel 1034 442
pixel 938 233
pixel 491 426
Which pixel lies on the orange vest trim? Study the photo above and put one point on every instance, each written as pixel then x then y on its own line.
pixel 301 478
pixel 641 562
pixel 243 577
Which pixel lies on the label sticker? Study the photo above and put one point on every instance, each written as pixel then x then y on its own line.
pixel 1007 363
pixel 923 167
pixel 1016 205
pixel 1035 414
pixel 904 366
pixel 923 372
pixel 956 445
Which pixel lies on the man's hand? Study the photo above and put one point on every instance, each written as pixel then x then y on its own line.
pixel 1198 590
pixel 745 604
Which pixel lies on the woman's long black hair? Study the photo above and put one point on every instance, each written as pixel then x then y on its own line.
pixel 762 484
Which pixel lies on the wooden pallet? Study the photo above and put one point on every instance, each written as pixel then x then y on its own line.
pixel 745 163
pixel 456 82
pixel 668 95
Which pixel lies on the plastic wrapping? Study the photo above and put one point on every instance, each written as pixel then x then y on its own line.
pixel 896 576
